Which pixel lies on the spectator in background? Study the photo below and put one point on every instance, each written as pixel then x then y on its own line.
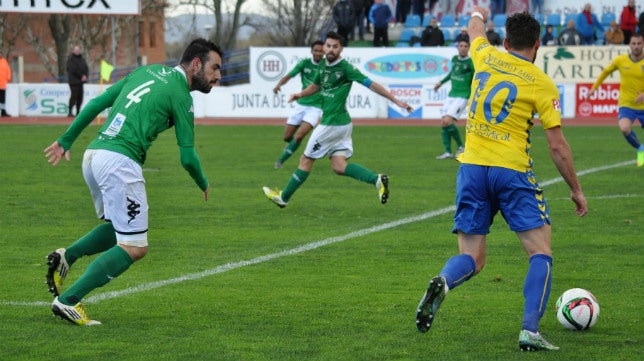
pixel 640 23
pixel 492 36
pixel 432 7
pixel 614 35
pixel 548 37
pixel 587 23
pixel 462 36
pixel 432 35
pixel 5 77
pixel 380 15
pixel 367 6
pixel 450 7
pixel 537 4
pixel 344 16
pixel 628 21
pixel 402 10
pixel 497 7
pixel 358 6
pixel 570 35
pixel 418 8
pixel 77 70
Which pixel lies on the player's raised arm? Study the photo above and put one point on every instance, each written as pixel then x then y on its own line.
pixel 476 27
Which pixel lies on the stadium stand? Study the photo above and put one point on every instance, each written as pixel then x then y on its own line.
pixel 569 17
pixel 463 20
pixel 448 21
pixel 499 20
pixel 539 18
pixel 413 21
pixel 406 34
pixel 554 20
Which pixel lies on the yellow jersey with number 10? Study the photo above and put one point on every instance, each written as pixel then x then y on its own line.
pixel 507 91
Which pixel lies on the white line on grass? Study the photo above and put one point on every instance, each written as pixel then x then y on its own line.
pixel 608 196
pixel 289 252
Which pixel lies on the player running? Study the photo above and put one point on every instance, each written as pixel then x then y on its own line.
pixel 332 138
pixel 307 110
pixel 631 94
pixel 461 75
pixel 496 170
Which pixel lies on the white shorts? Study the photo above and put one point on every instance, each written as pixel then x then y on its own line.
pixel 330 140
pixel 118 191
pixel 454 107
pixel 304 113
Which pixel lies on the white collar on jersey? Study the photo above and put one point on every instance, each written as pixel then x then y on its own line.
pixel 181 71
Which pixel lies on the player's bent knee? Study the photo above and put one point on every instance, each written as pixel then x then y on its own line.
pixel 136 253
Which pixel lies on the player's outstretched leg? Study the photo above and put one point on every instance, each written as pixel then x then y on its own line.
pixel 275 196
pixel 382 184
pixel 75 314
pixel 533 341
pixel 57 268
pixel 430 303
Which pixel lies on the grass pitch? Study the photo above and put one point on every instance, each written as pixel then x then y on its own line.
pixel 334 276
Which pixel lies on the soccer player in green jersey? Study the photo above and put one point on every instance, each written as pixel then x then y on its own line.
pixel 307 110
pixel 496 170
pixel 145 103
pixel 332 137
pixel 461 75
pixel 631 93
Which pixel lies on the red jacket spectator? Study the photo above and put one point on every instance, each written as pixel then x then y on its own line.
pixel 628 21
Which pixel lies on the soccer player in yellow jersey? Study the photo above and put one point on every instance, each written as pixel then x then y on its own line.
pixel 631 95
pixel 496 169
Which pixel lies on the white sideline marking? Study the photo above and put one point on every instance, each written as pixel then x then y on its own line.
pixel 289 252
pixel 609 196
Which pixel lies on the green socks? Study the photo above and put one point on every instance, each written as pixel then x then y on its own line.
pixel 453 131
pixel 356 171
pixel 102 270
pixel 447 141
pixel 288 151
pixel 297 179
pixel 98 240
pixel 447 133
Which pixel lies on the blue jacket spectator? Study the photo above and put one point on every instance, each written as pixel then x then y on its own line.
pixel 587 22
pixel 380 15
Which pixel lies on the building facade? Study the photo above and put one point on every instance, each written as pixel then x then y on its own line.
pixel 37 44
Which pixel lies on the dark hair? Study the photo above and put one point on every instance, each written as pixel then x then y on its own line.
pixel 334 35
pixel 200 48
pixel 317 42
pixel 522 31
pixel 637 35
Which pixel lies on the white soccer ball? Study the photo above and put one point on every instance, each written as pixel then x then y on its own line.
pixel 577 309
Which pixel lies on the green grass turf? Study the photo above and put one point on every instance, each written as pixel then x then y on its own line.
pixel 352 299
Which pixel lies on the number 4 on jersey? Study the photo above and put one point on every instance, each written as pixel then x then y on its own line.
pixel 135 95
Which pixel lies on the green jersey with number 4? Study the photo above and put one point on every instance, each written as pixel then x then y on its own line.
pixel 148 101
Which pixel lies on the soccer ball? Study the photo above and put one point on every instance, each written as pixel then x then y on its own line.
pixel 577 309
